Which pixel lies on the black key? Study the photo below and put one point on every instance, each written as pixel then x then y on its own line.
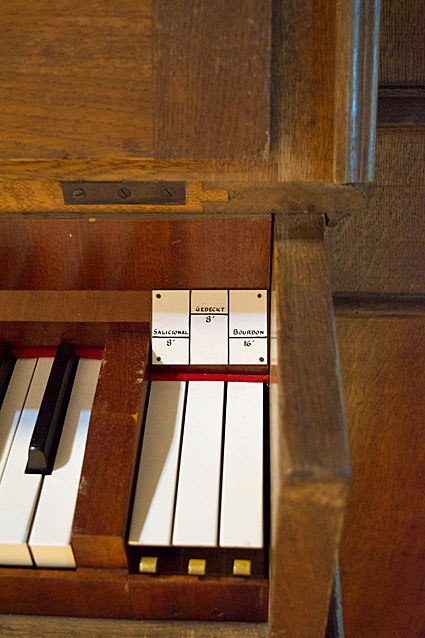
pixel 7 363
pixel 49 424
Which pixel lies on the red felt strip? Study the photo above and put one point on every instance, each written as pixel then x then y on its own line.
pixel 199 376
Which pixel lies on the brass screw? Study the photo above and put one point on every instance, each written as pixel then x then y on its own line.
pixel 124 193
pixel 79 193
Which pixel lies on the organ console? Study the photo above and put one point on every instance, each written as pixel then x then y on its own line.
pixel 212 488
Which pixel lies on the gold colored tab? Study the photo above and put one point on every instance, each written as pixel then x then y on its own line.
pixel 241 567
pixel 147 564
pixel 196 567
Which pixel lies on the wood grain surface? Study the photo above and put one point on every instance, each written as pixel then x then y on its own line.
pixel 187 87
pixel 75 305
pixel 401 106
pixel 39 198
pixel 402 45
pixel 379 248
pixel 211 65
pixel 36 627
pixel 99 530
pixel 135 255
pixel 382 555
pixel 95 593
pixel 76 79
pixel 309 466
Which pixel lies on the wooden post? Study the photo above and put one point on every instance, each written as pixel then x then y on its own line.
pixel 309 454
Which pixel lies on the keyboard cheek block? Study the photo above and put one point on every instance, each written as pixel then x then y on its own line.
pixel 47 431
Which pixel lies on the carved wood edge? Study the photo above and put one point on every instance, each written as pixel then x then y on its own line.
pixel 362 91
pixel 309 452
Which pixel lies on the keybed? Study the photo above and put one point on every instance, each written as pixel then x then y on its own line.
pixel 36 512
pixel 213 450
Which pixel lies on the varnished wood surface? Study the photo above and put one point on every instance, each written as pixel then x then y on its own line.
pixel 402 45
pixel 308 456
pixel 379 248
pixel 211 65
pixel 135 255
pixel 76 79
pixel 41 197
pixel 356 49
pixel 36 627
pixel 75 305
pixel 401 106
pixel 103 505
pixel 382 556
pixel 189 81
pixel 44 199
pixel 96 593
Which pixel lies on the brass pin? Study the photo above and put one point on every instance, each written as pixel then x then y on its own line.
pixel 196 567
pixel 148 564
pixel 241 567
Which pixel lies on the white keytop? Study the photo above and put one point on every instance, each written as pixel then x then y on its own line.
pixel 19 491
pixel 12 406
pixel 196 516
pixel 153 510
pixel 50 539
pixel 241 522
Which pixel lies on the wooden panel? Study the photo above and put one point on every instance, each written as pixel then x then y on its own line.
pixel 99 530
pixel 36 197
pixel 379 248
pixel 114 594
pixel 401 105
pixel 382 555
pixel 211 65
pixel 75 305
pixel 20 333
pixel 402 57
pixel 143 255
pixel 32 198
pixel 76 79
pixel 324 90
pixel 309 456
pixel 36 627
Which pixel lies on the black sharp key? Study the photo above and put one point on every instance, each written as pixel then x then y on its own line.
pixel 48 427
pixel 7 363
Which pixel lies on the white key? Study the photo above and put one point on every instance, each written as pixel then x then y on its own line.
pixel 241 522
pixel 153 509
pixel 19 491
pixel 196 518
pixel 50 539
pixel 12 406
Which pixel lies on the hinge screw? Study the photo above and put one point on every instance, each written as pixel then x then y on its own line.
pixel 79 193
pixel 124 193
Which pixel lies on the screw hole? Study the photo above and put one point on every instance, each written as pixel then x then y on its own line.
pixel 158 358
pixel 216 613
pixel 158 296
pixel 262 359
pixel 173 611
pixel 259 295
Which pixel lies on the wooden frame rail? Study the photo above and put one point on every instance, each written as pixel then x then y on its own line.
pixel 309 455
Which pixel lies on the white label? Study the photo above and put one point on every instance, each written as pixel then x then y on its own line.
pixel 248 351
pixel 248 313
pixel 170 313
pixel 200 326
pixel 170 351
pixel 209 302
pixel 208 339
